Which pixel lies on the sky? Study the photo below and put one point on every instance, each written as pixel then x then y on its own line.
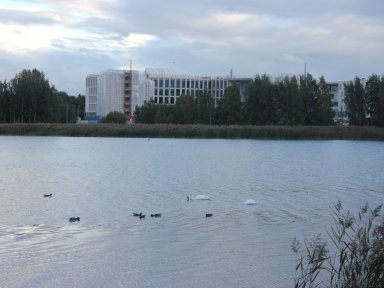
pixel 68 40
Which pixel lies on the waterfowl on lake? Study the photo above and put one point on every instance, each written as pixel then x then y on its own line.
pixel 156 215
pixel 250 202
pixel 141 216
pixel 48 195
pixel 198 197
pixel 136 214
pixel 208 215
pixel 74 219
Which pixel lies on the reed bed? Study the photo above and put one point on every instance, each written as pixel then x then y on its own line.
pixel 196 131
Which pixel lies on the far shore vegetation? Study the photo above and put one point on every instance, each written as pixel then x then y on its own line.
pixel 195 131
pixel 293 108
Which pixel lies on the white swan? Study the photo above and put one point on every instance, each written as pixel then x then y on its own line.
pixel 198 197
pixel 251 202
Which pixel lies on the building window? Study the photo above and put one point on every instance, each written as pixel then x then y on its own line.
pixel 172 100
pixel 161 100
pixel 178 83
pixel 161 83
pixel 166 83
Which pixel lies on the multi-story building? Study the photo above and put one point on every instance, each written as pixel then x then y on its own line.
pixel 122 91
pixel 169 86
pixel 337 95
pixel 115 90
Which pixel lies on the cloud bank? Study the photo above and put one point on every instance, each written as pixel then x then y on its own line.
pixel 67 40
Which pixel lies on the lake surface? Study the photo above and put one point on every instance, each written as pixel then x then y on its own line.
pixel 104 180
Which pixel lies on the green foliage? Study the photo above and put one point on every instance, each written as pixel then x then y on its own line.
pixel 146 113
pixel 229 108
pixel 356 102
pixel 30 98
pixel 375 99
pixel 325 112
pixel 205 107
pixel 114 117
pixel 185 110
pixel 356 258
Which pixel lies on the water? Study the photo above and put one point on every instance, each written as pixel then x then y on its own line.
pixel 104 180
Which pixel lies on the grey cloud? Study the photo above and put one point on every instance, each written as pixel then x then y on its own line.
pixel 26 17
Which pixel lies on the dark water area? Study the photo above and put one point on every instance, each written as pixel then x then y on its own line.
pixel 104 180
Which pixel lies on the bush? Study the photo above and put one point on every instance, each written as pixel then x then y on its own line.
pixel 357 257
pixel 114 117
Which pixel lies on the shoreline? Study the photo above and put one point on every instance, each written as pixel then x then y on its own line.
pixel 195 131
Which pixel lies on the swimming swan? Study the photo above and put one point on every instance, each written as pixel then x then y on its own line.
pixel 251 202
pixel 198 197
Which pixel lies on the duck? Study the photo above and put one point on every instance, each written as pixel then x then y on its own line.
pixel 156 215
pixel 198 197
pixel 74 219
pixel 141 216
pixel 48 195
pixel 251 202
pixel 137 214
pixel 208 215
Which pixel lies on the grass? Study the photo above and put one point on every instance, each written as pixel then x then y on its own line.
pixel 195 131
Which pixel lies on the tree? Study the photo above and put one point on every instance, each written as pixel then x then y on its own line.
pixel 291 104
pixel 165 114
pixel 204 108
pixel 325 112
pixel 146 113
pixel 229 109
pixel 33 96
pixel 374 91
pixel 114 117
pixel 309 93
pixel 261 102
pixel 355 101
pixel 185 110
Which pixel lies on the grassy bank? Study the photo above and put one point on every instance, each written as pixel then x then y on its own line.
pixel 195 131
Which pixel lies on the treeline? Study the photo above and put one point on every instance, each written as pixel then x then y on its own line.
pixel 365 101
pixel 292 101
pixel 29 98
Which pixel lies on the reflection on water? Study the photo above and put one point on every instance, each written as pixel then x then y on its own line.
pixel 104 180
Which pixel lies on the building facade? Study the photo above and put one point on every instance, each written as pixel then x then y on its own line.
pixel 123 91
pixel 169 86
pixel 115 90
pixel 337 95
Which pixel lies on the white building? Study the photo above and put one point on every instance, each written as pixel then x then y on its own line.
pixel 115 90
pixel 168 86
pixel 337 95
pixel 123 91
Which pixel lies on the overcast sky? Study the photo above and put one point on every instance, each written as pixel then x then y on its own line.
pixel 67 40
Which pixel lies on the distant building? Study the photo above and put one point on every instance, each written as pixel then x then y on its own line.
pixel 115 90
pixel 337 95
pixel 169 86
pixel 123 91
